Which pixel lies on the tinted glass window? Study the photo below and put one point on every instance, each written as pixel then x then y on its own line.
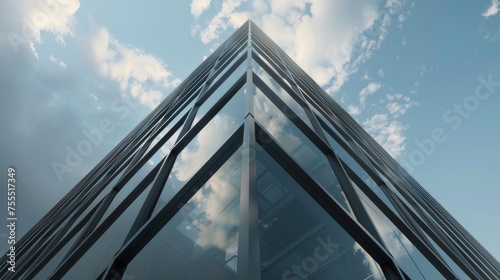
pixel 204 145
pixel 201 240
pixel 406 255
pixel 298 146
pixel 298 239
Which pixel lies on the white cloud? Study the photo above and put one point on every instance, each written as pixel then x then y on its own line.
pixel 381 72
pixel 353 110
pixel 139 74
pixel 422 70
pixel 340 35
pixel 370 263
pixel 328 39
pixel 398 244
pixel 388 133
pixel 217 218
pixel 57 61
pixel 227 16
pixel 492 10
pixel 27 20
pixel 260 6
pixel 56 17
pixel 199 6
pixel 370 89
pixel 204 145
pixel 399 104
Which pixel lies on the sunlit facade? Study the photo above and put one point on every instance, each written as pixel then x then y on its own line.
pixel 249 170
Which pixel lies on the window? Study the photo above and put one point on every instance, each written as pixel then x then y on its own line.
pixel 298 239
pixel 201 240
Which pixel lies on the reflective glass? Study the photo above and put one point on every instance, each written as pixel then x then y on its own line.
pixel 298 239
pixel 201 240
pixel 204 145
pixel 165 149
pixel 268 48
pixel 51 266
pixel 99 255
pixel 219 92
pixel 282 94
pixel 327 122
pixel 458 271
pixel 298 146
pixel 269 64
pixel 98 199
pixel 167 129
pixel 141 173
pixel 359 171
pixel 406 255
pixel 229 64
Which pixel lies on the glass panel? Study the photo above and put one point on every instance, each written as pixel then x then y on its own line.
pixel 142 172
pixel 99 256
pixel 282 94
pixel 165 149
pixel 51 266
pixel 166 130
pixel 406 255
pixel 270 64
pixel 327 122
pixel 195 83
pixel 298 239
pixel 201 240
pixel 298 146
pixel 266 45
pixel 138 177
pixel 228 64
pixel 360 172
pixel 219 92
pixel 204 145
pixel 98 199
pixel 458 271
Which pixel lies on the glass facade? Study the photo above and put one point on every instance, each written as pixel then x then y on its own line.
pixel 249 170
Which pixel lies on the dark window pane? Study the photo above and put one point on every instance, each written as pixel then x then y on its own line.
pixel 298 239
pixel 222 69
pixel 164 131
pixel 94 202
pixel 51 266
pixel 219 92
pixel 201 240
pixel 298 146
pixel 99 256
pixel 406 255
pixel 204 145
pixel 140 175
pixel 327 122
pixel 270 64
pixel 282 93
pixel 458 271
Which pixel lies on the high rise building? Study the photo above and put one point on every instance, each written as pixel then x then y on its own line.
pixel 249 170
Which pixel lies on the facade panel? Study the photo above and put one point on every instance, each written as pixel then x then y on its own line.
pixel 249 170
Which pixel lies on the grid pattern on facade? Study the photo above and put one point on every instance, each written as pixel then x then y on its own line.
pixel 249 170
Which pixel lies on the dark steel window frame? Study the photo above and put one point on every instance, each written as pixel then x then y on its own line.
pixel 142 237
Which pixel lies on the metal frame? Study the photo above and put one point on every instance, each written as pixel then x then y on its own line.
pixel 412 210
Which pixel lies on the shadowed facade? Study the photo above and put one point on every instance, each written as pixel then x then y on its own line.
pixel 249 170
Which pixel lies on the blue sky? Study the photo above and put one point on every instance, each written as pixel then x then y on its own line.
pixel 421 77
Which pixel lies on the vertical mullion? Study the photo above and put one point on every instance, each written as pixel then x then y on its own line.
pixel 248 236
pixel 390 269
